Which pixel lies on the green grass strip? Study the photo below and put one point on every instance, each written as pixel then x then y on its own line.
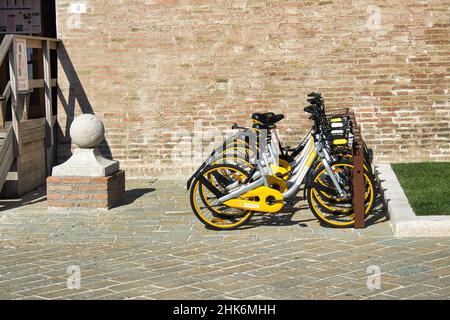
pixel 427 186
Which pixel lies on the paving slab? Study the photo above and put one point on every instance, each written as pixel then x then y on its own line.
pixel 153 247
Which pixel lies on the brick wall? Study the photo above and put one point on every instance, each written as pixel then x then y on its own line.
pixel 152 68
pixel 86 192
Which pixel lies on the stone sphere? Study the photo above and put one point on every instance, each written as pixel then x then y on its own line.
pixel 87 131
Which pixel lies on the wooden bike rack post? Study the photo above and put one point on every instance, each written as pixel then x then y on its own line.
pixel 358 175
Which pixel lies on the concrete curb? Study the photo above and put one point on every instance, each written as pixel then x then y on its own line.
pixel 404 221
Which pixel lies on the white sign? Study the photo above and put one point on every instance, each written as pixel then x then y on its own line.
pixel 76 8
pixel 21 16
pixel 21 56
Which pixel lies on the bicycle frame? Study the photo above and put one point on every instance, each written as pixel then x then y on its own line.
pixel 308 155
pixel 271 157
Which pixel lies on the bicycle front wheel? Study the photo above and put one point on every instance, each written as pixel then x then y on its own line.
pixel 214 182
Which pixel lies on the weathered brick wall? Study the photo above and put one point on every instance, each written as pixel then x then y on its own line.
pixel 86 192
pixel 150 69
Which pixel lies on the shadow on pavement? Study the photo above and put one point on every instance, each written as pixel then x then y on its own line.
pixel 280 219
pixel 134 194
pixel 284 217
pixel 33 197
pixel 39 195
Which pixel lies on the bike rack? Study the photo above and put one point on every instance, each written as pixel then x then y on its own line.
pixel 358 174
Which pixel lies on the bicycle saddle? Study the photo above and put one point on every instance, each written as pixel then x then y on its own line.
pixel 267 118
pixel 262 117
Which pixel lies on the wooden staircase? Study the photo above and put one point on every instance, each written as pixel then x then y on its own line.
pixel 27 143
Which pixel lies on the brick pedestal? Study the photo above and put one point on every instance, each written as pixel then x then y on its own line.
pixel 86 192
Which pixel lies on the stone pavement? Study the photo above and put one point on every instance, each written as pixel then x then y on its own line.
pixel 154 248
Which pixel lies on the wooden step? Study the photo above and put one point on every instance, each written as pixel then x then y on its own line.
pixel 4 131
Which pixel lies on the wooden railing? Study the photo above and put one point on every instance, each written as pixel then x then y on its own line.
pixel 3 101
pixel 6 156
pixel 19 101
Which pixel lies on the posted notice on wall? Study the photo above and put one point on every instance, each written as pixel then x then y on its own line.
pixel 20 16
pixel 21 57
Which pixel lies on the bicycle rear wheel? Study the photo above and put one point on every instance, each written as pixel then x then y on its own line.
pixel 328 206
